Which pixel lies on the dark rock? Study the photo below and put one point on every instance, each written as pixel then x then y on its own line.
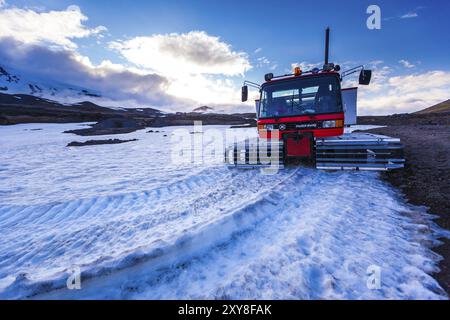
pixel 97 142
pixel 110 126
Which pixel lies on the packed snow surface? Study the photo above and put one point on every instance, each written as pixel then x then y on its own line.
pixel 142 227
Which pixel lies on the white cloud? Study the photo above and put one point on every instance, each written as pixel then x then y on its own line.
pixel 172 71
pixel 2 3
pixel 376 62
pixel 53 28
pixel 114 81
pixel 421 82
pixel 406 64
pixel 262 61
pixel 206 90
pixel 409 15
pixel 258 50
pixel 120 85
pixel 389 94
pixel 195 53
pixel 199 67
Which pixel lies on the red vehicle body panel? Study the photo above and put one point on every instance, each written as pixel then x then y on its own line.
pixel 299 148
pixel 329 132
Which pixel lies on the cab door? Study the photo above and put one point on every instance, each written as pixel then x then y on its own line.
pixel 349 101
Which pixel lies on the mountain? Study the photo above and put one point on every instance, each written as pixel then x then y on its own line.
pixel 16 82
pixel 24 108
pixel 443 107
pixel 203 109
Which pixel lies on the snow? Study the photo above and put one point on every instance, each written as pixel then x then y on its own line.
pixel 360 127
pixel 142 227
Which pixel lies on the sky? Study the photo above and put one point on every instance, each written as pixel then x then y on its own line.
pixel 177 55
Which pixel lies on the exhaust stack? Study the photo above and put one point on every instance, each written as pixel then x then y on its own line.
pixel 327 45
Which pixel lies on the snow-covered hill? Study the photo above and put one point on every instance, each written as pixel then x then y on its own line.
pixel 17 82
pixel 142 227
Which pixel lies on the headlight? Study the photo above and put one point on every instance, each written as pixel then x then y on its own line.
pixel 269 127
pixel 329 124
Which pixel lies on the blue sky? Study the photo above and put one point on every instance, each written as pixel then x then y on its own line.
pixel 272 35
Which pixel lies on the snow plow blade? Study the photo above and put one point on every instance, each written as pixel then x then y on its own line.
pixel 255 153
pixel 359 151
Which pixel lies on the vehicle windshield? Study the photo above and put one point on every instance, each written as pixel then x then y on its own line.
pixel 312 95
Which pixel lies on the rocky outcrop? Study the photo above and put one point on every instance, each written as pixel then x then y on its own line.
pixel 97 142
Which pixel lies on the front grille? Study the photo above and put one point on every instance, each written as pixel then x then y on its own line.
pixel 303 125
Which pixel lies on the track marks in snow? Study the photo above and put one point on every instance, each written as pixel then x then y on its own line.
pixel 84 231
pixel 314 250
pixel 311 241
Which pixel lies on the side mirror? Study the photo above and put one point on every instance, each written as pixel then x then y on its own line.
pixel 244 93
pixel 365 76
pixel 268 76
